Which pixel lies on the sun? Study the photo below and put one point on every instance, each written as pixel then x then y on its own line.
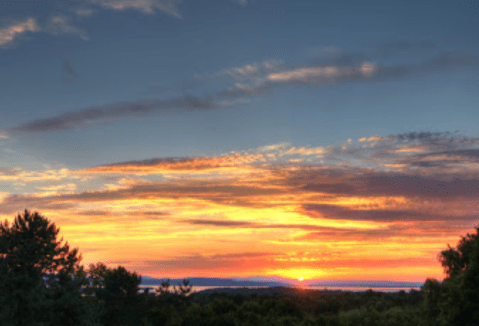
pixel 300 279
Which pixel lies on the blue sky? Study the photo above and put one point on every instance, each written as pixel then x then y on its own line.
pixel 104 56
pixel 88 83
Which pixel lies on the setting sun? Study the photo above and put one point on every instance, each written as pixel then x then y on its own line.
pixel 300 279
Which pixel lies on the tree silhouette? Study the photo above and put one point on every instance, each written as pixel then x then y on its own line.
pixel 432 295
pixel 36 272
pixel 457 260
pixel 30 245
pixel 460 305
pixel 117 291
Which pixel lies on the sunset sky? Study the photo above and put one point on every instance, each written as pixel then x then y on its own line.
pixel 232 138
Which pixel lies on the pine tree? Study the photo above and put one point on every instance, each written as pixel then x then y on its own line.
pixel 37 274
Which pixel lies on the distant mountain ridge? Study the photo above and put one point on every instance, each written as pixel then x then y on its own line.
pixel 205 281
pixel 376 284
pixel 274 281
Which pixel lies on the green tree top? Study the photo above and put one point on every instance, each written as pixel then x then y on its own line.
pixel 40 279
pixel 459 300
pixel 30 245
pixel 457 260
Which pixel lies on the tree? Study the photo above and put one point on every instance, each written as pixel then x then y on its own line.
pixel 432 295
pixel 460 289
pixel 31 245
pixel 36 272
pixel 457 260
pixel 119 292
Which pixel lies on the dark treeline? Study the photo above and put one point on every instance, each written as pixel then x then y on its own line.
pixel 42 283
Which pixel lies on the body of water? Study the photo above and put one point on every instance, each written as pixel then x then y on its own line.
pixel 321 288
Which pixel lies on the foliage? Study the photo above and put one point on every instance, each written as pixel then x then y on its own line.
pixel 111 295
pixel 37 273
pixel 30 246
pixel 459 302
pixel 432 296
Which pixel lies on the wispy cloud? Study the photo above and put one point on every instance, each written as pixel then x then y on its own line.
pixel 241 90
pixel 55 25
pixel 334 67
pixel 336 56
pixel 19 174
pixel 323 74
pixel 83 12
pixel 305 151
pixel 366 71
pixel 93 115
pixel 60 24
pixel 57 189
pixel 179 165
pixel 273 147
pixel 247 71
pixel 351 213
pixel 146 6
pixel 10 32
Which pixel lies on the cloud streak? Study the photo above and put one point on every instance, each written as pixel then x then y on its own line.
pixel 12 31
pixel 119 110
pixel 60 24
pixel 366 71
pixel 318 75
pixel 145 6
pixel 179 165
pixel 55 25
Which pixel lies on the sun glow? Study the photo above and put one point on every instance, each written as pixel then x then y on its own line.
pixel 300 279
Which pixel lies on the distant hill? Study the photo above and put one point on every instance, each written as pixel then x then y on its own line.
pixel 375 284
pixel 273 282
pixel 204 281
pixel 277 290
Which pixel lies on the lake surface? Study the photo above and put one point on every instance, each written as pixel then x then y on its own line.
pixel 322 288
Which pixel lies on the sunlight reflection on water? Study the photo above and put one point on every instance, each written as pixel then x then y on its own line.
pixel 322 288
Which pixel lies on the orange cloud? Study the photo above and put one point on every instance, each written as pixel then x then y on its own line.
pixel 375 138
pixel 324 74
pixel 408 149
pixel 242 214
pixel 248 71
pixel 17 173
pixel 306 151
pixel 146 6
pixel 8 34
pixel 180 165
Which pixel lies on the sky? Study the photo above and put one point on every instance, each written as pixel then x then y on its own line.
pixel 233 138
